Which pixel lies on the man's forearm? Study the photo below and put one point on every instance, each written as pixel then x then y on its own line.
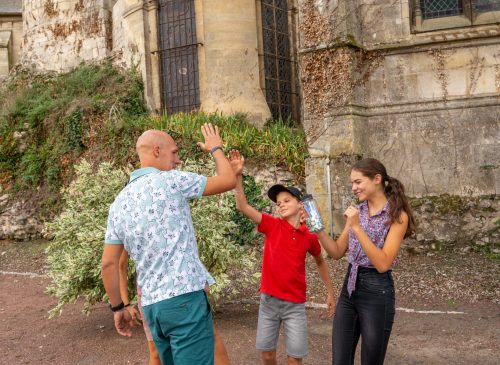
pixel 111 281
pixel 223 167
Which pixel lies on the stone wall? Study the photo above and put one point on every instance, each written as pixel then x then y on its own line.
pixel 60 34
pixel 17 220
pixel 426 104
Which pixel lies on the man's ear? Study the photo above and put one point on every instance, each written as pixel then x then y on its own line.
pixel 156 151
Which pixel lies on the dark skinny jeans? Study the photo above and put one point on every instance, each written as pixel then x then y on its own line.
pixel 369 313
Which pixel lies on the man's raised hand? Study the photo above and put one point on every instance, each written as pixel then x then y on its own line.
pixel 211 136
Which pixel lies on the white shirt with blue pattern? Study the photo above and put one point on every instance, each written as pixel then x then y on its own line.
pixel 151 218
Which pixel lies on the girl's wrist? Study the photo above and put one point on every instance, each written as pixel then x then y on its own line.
pixel 356 228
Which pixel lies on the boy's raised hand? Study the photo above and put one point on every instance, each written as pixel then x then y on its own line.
pixel 237 162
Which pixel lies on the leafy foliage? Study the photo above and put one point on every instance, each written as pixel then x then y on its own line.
pixel 49 122
pixel 245 229
pixel 75 253
pixel 60 117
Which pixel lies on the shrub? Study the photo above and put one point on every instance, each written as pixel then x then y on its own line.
pixel 62 115
pixel 75 253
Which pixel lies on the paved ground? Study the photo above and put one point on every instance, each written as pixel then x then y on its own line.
pixel 28 337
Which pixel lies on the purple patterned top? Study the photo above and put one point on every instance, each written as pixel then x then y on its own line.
pixel 376 227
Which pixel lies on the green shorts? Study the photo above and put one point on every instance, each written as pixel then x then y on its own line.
pixel 182 329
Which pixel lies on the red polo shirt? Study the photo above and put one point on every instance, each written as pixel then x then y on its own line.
pixel 284 260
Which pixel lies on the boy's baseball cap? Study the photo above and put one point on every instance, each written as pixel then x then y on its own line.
pixel 274 190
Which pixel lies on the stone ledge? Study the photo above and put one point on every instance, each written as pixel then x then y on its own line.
pixel 422 42
pixel 415 107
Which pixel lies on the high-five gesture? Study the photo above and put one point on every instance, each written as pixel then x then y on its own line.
pixel 211 136
pixel 237 162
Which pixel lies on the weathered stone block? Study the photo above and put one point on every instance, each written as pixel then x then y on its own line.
pixel 482 80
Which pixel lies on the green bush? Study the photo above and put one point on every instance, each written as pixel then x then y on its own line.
pixel 62 116
pixel 75 253
pixel 31 166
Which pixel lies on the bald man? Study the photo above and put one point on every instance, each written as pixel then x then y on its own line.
pixel 151 220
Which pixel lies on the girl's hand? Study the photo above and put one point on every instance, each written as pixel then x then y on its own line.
pixel 237 162
pixel 352 216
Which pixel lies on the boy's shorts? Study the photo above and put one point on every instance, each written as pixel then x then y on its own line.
pixel 273 311
pixel 182 329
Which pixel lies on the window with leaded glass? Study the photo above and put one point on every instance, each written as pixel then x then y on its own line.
pixel 278 64
pixel 440 8
pixel 444 14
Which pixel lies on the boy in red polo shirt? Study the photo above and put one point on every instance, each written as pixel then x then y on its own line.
pixel 283 282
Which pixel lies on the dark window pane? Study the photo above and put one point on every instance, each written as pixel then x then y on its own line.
pixel 269 42
pixel 487 5
pixel 277 58
pixel 178 56
pixel 440 8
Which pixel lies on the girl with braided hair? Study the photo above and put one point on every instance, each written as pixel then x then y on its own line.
pixel 371 237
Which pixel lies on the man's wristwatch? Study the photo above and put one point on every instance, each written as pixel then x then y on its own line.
pixel 117 308
pixel 215 149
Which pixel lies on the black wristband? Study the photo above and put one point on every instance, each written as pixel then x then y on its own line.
pixel 119 307
pixel 127 305
pixel 215 149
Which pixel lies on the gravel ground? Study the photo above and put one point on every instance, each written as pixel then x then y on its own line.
pixel 445 281
pixel 447 278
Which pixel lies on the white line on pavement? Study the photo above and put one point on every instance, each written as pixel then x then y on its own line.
pixel 29 274
pixel 409 310
pixel 406 310
pixel 308 304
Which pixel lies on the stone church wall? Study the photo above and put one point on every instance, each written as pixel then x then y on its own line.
pixel 60 34
pixel 426 104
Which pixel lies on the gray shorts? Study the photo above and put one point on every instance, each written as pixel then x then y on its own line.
pixel 273 311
